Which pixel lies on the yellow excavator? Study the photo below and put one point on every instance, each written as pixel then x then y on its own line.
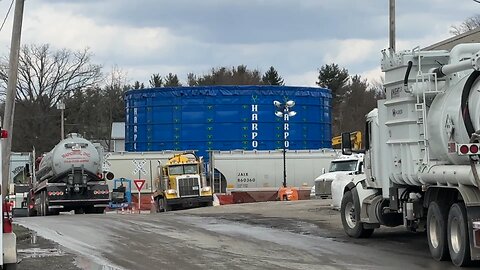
pixel 355 137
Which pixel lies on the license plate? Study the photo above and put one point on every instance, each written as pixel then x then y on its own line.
pixel 195 188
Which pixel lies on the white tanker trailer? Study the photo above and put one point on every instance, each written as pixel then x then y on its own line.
pixel 422 153
pixel 69 177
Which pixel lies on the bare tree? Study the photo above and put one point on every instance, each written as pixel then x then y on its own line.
pixel 469 24
pixel 45 77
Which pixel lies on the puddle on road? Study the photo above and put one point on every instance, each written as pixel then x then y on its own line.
pixel 39 252
pixel 85 263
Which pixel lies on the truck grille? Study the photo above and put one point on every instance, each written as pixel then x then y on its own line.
pixel 188 187
pixel 323 188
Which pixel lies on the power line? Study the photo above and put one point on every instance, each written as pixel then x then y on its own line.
pixel 6 16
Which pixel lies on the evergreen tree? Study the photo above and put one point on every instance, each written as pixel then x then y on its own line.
pixel 192 79
pixel 334 78
pixel 172 80
pixel 138 85
pixel 156 80
pixel 239 75
pixel 271 77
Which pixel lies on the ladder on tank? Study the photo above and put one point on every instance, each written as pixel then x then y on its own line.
pixel 428 85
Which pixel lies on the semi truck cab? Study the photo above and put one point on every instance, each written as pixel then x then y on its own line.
pixel 182 183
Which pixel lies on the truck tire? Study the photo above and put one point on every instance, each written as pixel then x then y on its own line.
pixel 94 210
pixel 162 205
pixel 437 231
pixel 46 212
pixel 458 239
pixel 42 204
pixel 350 214
pixel 10 266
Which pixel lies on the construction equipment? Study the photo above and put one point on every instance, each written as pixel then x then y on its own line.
pixel 121 196
pixel 182 183
pixel 355 137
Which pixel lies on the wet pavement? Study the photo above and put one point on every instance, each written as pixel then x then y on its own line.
pixel 272 235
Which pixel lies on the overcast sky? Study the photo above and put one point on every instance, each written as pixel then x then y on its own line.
pixel 297 37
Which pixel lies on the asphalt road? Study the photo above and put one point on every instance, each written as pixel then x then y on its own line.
pixel 272 235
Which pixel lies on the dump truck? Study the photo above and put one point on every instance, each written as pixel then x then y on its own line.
pixel 182 183
pixel 422 153
pixel 69 177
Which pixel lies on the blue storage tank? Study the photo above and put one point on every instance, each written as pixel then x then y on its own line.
pixel 226 118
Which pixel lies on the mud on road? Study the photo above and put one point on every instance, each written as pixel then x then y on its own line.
pixel 35 252
pixel 218 234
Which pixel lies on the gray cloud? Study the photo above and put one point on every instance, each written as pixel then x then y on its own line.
pixel 296 36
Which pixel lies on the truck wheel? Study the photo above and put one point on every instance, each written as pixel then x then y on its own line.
pixel 350 214
pixel 46 212
pixel 10 266
pixel 32 212
pixel 42 204
pixel 437 231
pixel 458 240
pixel 163 205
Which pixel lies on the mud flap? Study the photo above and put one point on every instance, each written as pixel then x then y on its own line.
pixel 473 216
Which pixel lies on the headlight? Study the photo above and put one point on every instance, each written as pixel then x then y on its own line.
pixel 171 191
pixel 206 189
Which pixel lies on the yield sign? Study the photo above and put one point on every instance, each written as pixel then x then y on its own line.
pixel 139 183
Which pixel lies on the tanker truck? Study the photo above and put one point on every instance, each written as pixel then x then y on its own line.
pixel 69 177
pixel 422 153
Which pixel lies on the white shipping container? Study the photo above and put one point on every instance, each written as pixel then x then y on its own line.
pixel 136 165
pixel 254 170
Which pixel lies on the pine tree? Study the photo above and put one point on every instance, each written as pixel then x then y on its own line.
pixel 171 80
pixel 335 79
pixel 156 80
pixel 271 77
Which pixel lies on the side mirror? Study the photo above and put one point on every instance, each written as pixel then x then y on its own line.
pixel 346 143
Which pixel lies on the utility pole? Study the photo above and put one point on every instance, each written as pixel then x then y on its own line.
pixel 11 93
pixel 392 25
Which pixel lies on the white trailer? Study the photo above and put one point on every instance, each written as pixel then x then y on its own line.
pixel 422 153
pixel 261 170
pixel 137 165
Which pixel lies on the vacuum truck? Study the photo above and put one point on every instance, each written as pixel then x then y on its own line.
pixel 422 153
pixel 69 177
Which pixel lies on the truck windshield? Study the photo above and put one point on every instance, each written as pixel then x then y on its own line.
pixel 190 169
pixel 175 170
pixel 183 169
pixel 347 165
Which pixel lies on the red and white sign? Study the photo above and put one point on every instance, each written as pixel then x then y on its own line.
pixel 139 183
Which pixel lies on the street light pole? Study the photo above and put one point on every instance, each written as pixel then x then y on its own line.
pixel 285 111
pixel 61 107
